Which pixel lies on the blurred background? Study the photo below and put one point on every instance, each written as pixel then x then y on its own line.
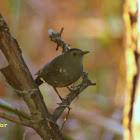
pixel 96 26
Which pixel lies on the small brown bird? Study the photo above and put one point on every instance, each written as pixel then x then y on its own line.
pixel 63 70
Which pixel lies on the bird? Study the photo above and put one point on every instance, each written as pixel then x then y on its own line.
pixel 63 70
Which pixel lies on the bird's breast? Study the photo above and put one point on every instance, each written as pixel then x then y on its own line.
pixel 65 76
pixel 69 75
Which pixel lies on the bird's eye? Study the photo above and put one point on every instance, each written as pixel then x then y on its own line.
pixel 74 54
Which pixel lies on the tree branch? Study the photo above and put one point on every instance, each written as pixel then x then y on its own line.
pixel 15 120
pixel 6 106
pixel 19 77
pixel 56 37
pixel 71 96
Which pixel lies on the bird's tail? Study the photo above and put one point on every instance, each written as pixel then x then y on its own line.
pixel 38 81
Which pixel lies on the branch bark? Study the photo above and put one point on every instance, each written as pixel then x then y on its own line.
pixel 56 37
pixel 71 96
pixel 15 120
pixel 18 76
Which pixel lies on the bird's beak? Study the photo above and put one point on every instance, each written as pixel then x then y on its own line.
pixel 84 52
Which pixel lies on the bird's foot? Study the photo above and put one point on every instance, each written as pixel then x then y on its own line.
pixel 62 99
pixel 72 89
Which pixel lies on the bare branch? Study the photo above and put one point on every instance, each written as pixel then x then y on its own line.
pixel 17 73
pixel 71 96
pixel 19 77
pixel 56 37
pixel 65 118
pixel 15 120
pixel 6 106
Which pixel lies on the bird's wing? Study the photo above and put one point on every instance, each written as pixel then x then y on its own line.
pixel 50 68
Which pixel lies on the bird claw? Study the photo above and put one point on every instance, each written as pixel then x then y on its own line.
pixel 62 99
pixel 72 89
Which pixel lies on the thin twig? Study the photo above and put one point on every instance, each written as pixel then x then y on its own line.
pixel 15 120
pixel 56 37
pixel 65 118
pixel 61 31
pixel 19 91
pixel 18 114
pixel 71 96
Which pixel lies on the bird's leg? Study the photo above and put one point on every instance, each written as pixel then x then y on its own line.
pixel 72 87
pixel 58 94
pixel 69 89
